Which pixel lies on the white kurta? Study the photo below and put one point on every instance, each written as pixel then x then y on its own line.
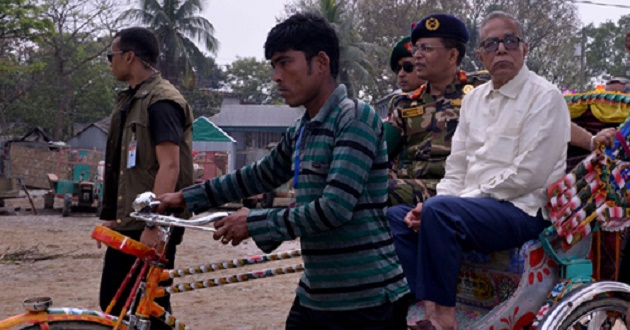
pixel 510 143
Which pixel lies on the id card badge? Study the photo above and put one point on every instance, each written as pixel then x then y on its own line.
pixel 131 155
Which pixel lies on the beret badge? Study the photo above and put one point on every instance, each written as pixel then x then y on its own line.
pixel 432 24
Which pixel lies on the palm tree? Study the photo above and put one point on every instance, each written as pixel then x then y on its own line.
pixel 177 28
pixel 355 68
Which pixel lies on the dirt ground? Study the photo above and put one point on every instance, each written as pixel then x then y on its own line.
pixel 48 255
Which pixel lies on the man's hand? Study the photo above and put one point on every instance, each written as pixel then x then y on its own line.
pixel 605 137
pixel 151 238
pixel 232 228
pixel 170 201
pixel 412 219
pixel 111 224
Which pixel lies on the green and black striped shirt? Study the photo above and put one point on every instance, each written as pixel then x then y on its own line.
pixel 341 191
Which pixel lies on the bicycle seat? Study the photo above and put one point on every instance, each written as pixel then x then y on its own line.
pixel 122 243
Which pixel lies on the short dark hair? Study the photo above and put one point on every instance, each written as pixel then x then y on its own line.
pixel 142 42
pixel 306 32
pixel 460 46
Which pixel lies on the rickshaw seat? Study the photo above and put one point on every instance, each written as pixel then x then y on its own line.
pixel 487 279
pixel 510 260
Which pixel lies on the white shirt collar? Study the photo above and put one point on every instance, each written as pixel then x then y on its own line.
pixel 513 87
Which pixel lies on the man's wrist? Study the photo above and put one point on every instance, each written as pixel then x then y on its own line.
pixel 591 143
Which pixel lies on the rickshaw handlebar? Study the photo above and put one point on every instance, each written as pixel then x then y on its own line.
pixel 171 221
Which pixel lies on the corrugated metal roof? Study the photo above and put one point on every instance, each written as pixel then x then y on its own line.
pixel 250 115
pixel 104 123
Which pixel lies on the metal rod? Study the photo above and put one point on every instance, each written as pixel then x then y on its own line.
pixel 244 277
pixel 235 263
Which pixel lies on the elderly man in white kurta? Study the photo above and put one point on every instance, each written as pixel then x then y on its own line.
pixel 510 145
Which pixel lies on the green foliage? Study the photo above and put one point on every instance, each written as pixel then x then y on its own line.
pixel 606 56
pixel 251 79
pixel 177 28
pixel 356 71
pixel 89 93
pixel 204 102
pixel 20 19
pixel 57 76
pixel 551 27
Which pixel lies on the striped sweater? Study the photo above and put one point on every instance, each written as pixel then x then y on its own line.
pixel 341 191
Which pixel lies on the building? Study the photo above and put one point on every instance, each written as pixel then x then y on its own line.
pixel 210 143
pixel 256 128
pixel 91 137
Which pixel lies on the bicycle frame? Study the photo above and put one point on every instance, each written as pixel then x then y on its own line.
pixel 151 263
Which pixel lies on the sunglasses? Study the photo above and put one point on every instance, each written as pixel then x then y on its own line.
pixel 406 66
pixel 110 54
pixel 492 44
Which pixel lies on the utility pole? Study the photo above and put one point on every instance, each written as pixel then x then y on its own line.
pixel 583 61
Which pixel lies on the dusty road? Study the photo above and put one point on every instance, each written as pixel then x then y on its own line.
pixel 47 255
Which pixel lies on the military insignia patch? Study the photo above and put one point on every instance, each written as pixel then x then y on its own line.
pixel 432 24
pixel 412 112
pixel 467 89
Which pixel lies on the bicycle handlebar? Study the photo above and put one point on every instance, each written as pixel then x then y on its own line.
pixel 145 202
pixel 171 221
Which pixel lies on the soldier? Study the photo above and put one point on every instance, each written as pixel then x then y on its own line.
pixel 401 62
pixel 422 122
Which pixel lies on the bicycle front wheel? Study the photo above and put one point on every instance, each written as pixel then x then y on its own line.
pixel 602 313
pixel 71 325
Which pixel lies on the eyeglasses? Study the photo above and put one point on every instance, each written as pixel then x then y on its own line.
pixel 425 48
pixel 406 66
pixel 492 44
pixel 110 54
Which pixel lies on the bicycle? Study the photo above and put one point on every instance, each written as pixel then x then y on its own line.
pixel 140 306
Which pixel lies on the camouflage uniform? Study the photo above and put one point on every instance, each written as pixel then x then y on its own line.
pixel 427 124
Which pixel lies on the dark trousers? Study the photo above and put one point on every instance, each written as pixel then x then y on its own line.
pixel 406 244
pixel 450 225
pixel 115 269
pixel 389 316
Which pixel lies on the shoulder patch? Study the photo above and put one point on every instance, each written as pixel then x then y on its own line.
pixel 467 89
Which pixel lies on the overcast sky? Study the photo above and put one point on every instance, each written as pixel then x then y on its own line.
pixel 242 25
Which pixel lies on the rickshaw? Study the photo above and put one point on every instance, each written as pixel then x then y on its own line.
pixel 547 283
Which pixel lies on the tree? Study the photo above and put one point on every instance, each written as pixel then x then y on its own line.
pixel 251 79
pixel 606 56
pixel 19 28
pixel 91 97
pixel 83 30
pixel 177 28
pixel 550 28
pixel 205 99
pixel 384 23
pixel 20 20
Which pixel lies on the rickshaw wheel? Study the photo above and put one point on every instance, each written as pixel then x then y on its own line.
pixel 599 310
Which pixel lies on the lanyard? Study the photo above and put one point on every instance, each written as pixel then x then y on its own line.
pixel 296 171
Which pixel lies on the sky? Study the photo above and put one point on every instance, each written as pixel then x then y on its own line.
pixel 241 26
